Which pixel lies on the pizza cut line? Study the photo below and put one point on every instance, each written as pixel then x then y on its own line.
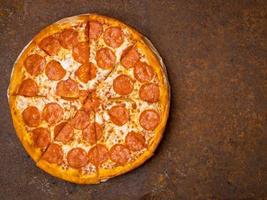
pixel 89 99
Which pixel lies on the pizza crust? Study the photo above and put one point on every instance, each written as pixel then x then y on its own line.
pixel 71 175
pixel 102 174
pixel 105 174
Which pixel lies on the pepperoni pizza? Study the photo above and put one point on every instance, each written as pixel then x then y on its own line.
pixel 89 98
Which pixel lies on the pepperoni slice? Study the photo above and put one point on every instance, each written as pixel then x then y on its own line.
pixel 41 137
pixel 129 57
pixel 92 133
pixel 54 70
pixel 92 103
pixel 80 120
pixel 103 153
pixel 149 119
pixel 77 158
pixel 83 95
pixel 52 113
pixel 105 58
pixel 65 134
pixel 68 38
pixel 98 154
pixel 86 72
pixel 149 92
pixel 67 89
pixel 34 64
pixel 80 52
pixel 93 156
pixel 123 85
pixel 50 45
pixel 58 128
pixel 54 154
pixel 135 141
pixel 28 88
pixel 143 72
pixel 113 37
pixel 119 115
pixel 31 116
pixel 83 73
pixel 120 154
pixel 95 30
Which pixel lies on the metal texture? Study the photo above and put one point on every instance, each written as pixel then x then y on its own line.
pixel 215 143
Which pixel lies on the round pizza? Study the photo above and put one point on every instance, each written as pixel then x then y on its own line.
pixel 89 98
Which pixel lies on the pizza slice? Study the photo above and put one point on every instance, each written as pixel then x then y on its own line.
pixel 107 41
pixel 125 144
pixel 134 78
pixel 71 156
pixel 36 117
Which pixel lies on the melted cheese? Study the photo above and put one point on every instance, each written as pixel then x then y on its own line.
pixel 113 134
pixel 82 37
pixel 77 143
pixel 67 61
pixel 70 107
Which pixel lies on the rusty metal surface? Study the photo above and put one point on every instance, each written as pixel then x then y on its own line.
pixel 215 144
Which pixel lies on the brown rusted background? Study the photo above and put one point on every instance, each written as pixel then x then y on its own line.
pixel 215 144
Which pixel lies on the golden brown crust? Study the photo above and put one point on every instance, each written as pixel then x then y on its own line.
pixel 102 174
pixel 72 175
pixel 105 174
